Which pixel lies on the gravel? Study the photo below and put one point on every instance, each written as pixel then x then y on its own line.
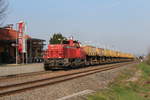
pixel 92 82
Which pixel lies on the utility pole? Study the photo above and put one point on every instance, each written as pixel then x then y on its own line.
pixel 16 50
pixel 16 44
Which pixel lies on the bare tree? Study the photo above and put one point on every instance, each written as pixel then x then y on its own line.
pixel 3 8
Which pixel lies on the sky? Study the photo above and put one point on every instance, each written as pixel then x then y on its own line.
pixel 122 25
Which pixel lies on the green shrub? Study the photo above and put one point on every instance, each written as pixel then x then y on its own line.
pixel 148 59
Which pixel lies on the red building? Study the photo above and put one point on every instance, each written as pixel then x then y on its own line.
pixel 8 37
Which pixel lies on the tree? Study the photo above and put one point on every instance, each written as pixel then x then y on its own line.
pixel 3 8
pixel 57 38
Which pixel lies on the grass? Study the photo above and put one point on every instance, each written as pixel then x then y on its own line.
pixel 121 89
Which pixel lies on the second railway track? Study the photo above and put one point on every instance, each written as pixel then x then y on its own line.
pixel 29 85
pixel 23 75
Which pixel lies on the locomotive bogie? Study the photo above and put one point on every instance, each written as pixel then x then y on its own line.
pixel 63 63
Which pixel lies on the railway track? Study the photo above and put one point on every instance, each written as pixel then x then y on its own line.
pixel 23 75
pixel 21 87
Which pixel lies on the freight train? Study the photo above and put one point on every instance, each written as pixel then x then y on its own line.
pixel 70 54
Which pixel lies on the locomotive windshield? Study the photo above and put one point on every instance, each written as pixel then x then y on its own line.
pixel 65 42
pixel 75 43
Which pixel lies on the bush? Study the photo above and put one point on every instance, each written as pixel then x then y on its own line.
pixel 148 59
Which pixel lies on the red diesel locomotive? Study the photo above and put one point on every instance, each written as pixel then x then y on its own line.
pixel 67 54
